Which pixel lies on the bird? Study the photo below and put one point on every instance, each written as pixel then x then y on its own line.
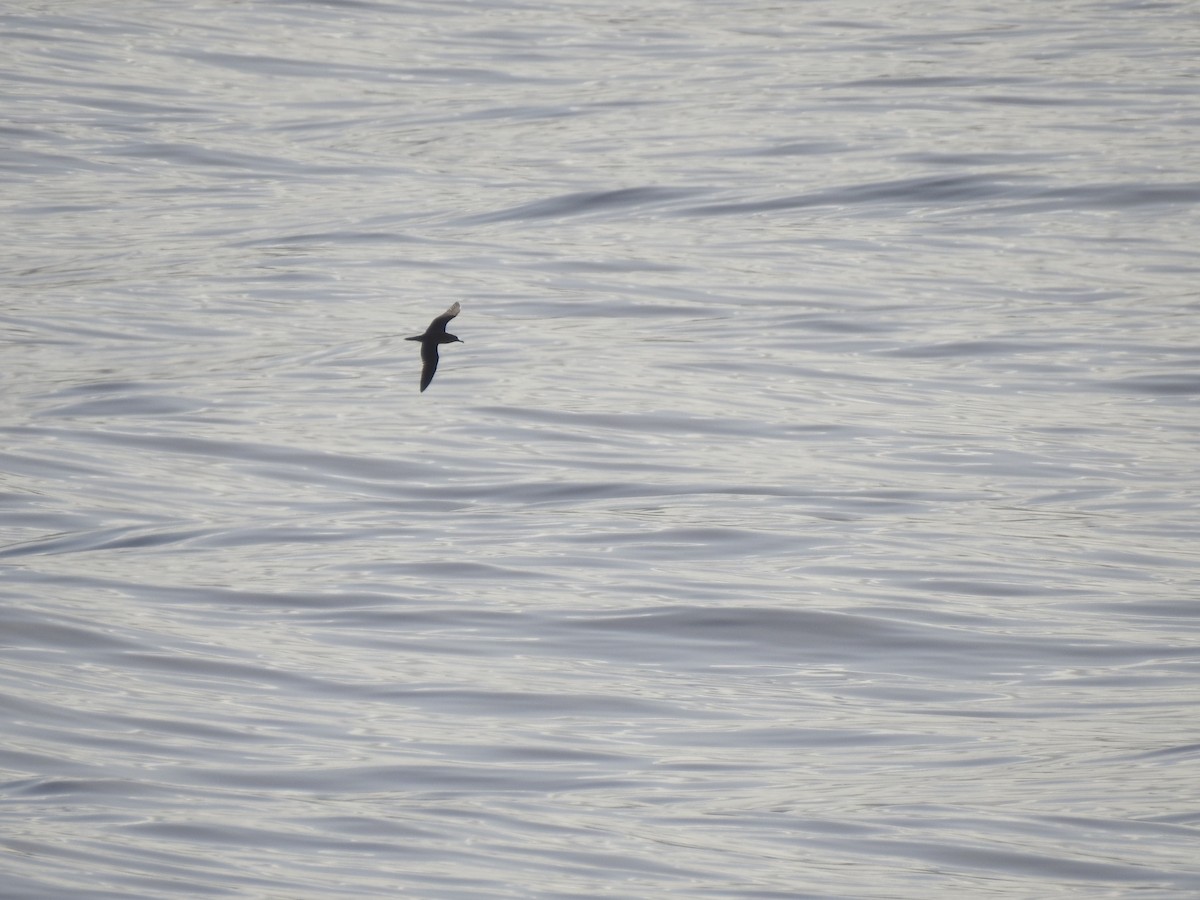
pixel 435 334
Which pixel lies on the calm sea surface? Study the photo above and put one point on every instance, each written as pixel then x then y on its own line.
pixel 812 511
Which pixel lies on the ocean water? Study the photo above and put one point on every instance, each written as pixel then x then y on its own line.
pixel 809 512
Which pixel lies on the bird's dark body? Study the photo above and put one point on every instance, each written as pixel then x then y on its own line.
pixel 435 334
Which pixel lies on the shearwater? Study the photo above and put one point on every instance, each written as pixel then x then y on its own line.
pixel 435 334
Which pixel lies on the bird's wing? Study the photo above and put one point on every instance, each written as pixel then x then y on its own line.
pixel 438 325
pixel 429 360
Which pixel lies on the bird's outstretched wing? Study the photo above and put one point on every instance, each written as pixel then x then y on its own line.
pixel 429 361
pixel 438 325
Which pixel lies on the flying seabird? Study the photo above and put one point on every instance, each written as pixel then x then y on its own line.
pixel 435 334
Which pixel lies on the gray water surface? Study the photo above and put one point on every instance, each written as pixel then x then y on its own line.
pixel 811 510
